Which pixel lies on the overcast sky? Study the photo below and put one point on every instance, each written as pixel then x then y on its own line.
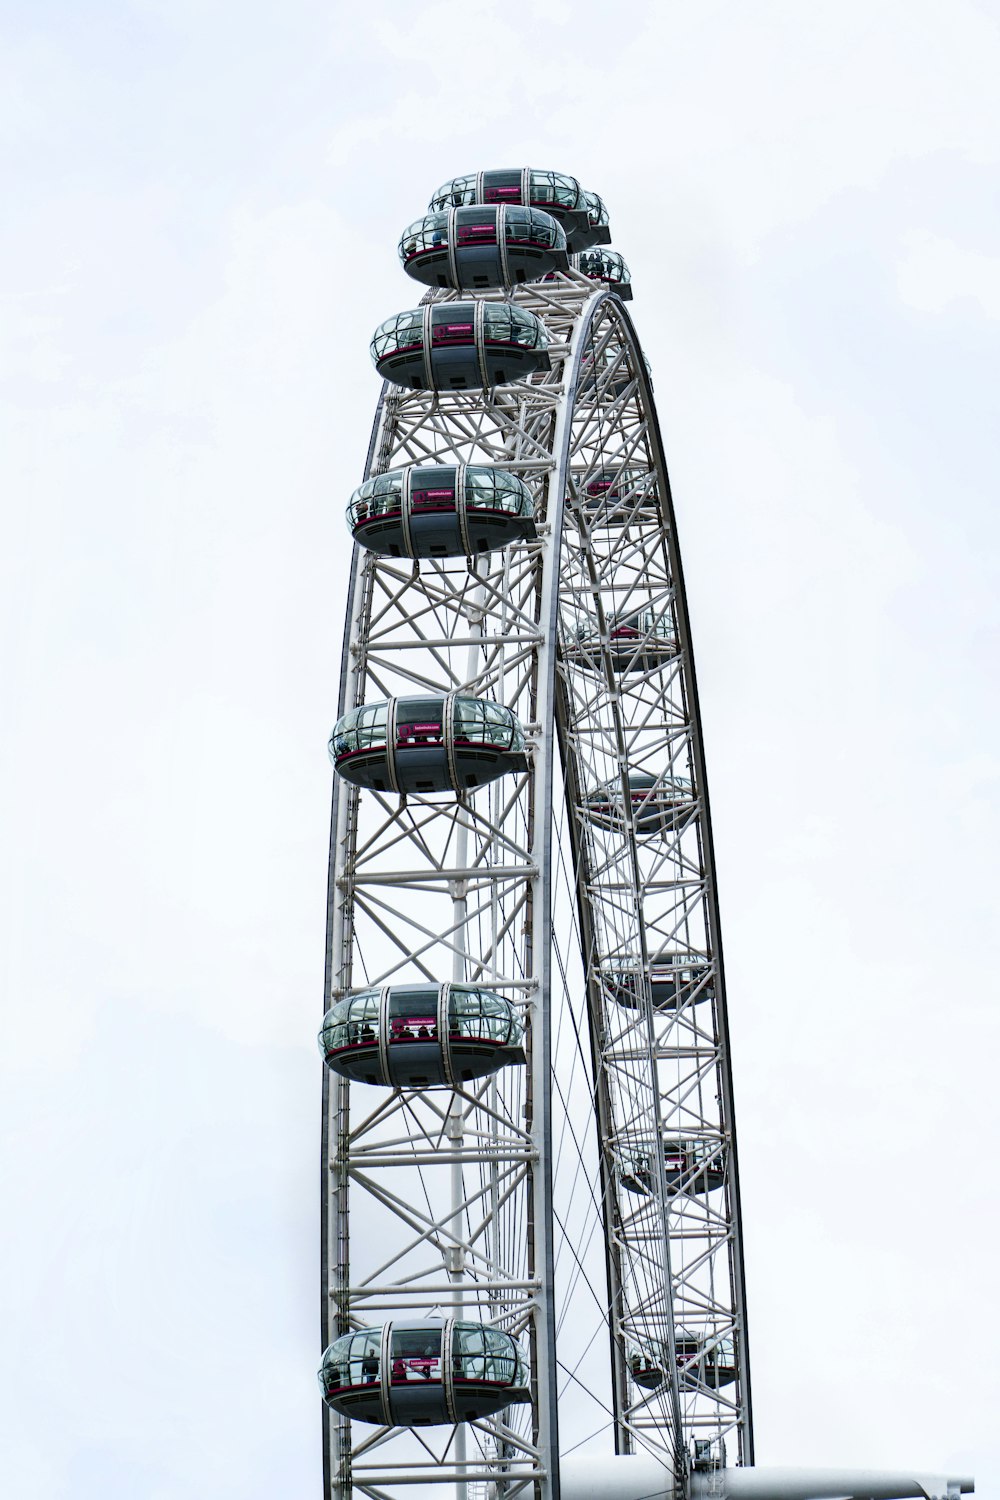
pixel 206 198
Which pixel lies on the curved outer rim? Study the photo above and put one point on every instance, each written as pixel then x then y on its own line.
pixel 715 923
pixel 334 1224
pixel 721 1010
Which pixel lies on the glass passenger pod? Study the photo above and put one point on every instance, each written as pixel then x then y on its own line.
pixel 442 511
pixel 581 214
pixel 428 744
pixel 611 376
pixel 638 642
pixel 460 346
pixel 423 1372
pixel 660 804
pixel 646 1366
pixel 421 1036
pixel 705 1360
pixel 675 979
pixel 483 246
pixel 620 497
pixel 691 1167
pixel 597 232
pixel 607 266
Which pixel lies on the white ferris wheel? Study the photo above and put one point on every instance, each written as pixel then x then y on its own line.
pixel 532 1258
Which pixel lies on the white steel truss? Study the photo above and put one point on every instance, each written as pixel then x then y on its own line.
pixel 562 887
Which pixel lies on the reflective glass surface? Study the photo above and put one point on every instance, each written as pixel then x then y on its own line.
pixel 478 226
pixel 454 323
pixel 360 729
pixel 596 211
pixel 478 721
pixel 352 1360
pixel 434 489
pixel 404 331
pixel 495 489
pixel 381 496
pixel 419 722
pixel 484 1355
pixel 603 265
pixel 474 1014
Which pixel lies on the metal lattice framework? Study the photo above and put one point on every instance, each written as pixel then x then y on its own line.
pixel 543 1200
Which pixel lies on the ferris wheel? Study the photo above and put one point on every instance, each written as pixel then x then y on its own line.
pixel 532 1252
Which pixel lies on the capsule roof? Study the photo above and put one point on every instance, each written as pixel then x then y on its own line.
pixel 582 214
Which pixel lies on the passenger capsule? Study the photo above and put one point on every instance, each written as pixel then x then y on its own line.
pixel 421 1036
pixel 705 1360
pixel 444 511
pixel 690 1167
pixel 430 744
pixel 675 979
pixel 476 247
pixel 598 232
pixel 621 497
pixel 646 1367
pixel 582 215
pixel 445 346
pixel 638 642
pixel 423 1372
pixel 609 377
pixel 608 266
pixel 660 804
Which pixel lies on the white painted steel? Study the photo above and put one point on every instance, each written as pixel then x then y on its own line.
pixel 448 1196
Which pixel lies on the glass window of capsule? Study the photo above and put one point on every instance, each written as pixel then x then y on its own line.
pixel 361 729
pixel 614 374
pixel 597 211
pixel 430 744
pixel 441 511
pixel 421 721
pixel 454 323
pixel 660 804
pixel 701 1359
pixel 704 1359
pixel 423 1372
pixel 477 1353
pixel 412 1015
pixel 613 498
pixel 545 189
pixel 689 1166
pixel 582 214
pixel 635 642
pixel 675 979
pixel 646 1366
pixel 421 1036
pixel 485 489
pixel 456 349
pixel 605 265
pixel 479 226
pixel 478 721
pixel 484 246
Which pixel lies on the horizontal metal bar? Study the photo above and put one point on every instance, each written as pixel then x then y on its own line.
pixel 470 1290
pixel 443 1475
pixel 437 1158
pixel 474 874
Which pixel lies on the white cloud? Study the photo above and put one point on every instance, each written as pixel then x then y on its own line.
pixel 936 275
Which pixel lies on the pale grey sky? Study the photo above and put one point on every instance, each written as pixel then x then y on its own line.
pixel 205 199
